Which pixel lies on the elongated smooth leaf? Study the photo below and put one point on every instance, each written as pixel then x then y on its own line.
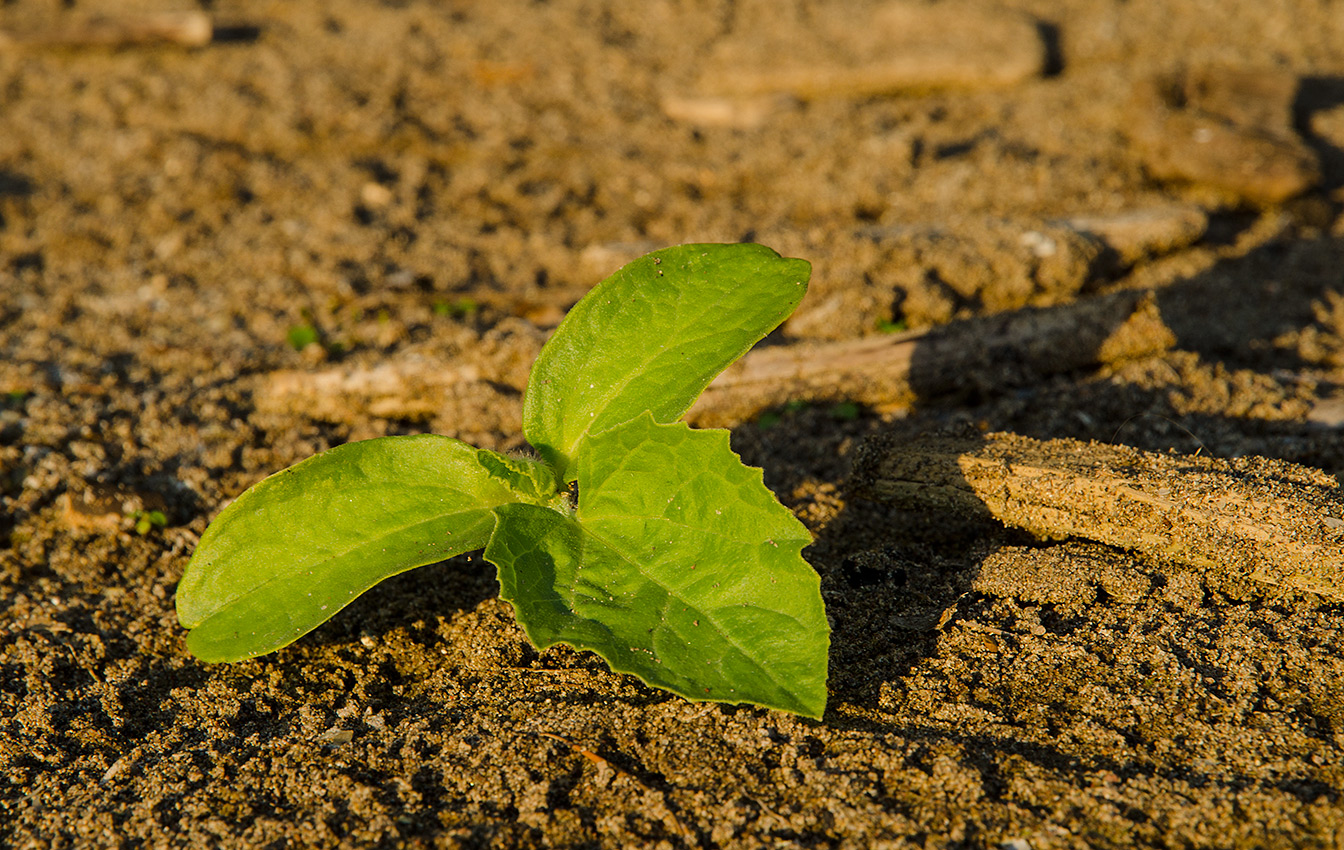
pixel 651 337
pixel 300 545
pixel 679 567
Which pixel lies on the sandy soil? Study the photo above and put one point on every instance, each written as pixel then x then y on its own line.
pixel 425 188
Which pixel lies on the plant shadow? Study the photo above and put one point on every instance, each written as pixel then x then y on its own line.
pixel 412 601
pixel 1228 387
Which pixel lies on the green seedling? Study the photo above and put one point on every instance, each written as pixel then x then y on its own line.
pixel 845 411
pixel 629 534
pixel 301 336
pixel 771 418
pixel 147 521
pixel 307 333
pixel 462 308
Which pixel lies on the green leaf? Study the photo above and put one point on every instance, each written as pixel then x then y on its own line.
pixel 531 479
pixel 651 337
pixel 300 545
pixel 679 567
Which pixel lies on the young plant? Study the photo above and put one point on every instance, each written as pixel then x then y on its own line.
pixel 633 535
pixel 147 521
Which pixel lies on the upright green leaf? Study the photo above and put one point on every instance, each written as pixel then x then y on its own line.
pixel 679 567
pixel 651 337
pixel 302 544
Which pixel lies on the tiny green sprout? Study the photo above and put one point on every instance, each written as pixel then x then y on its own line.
pixel 16 398
pixel 845 410
pixel 302 335
pixel 887 326
pixel 461 308
pixel 630 533
pixel 771 418
pixel 147 521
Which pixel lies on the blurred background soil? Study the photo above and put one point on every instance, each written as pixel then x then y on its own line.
pixel 320 222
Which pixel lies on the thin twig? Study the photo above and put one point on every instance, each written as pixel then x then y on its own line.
pixel 188 29
pixel 992 353
pixel 603 762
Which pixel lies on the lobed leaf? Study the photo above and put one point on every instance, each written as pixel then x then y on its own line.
pixel 651 337
pixel 302 544
pixel 679 567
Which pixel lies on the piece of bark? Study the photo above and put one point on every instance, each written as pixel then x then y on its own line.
pixel 413 390
pixel 188 29
pixel 1269 520
pixel 741 113
pixel 996 352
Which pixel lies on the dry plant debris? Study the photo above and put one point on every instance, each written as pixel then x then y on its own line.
pixel 1274 522
pixel 186 29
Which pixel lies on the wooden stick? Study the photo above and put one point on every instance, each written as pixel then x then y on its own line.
pixel 992 353
pixel 189 29
pixel 1274 521
pixel 979 355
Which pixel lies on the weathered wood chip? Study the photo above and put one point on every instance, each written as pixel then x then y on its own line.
pixel 742 113
pixel 1268 520
pixel 185 28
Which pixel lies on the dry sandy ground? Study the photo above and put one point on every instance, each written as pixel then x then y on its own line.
pixel 425 188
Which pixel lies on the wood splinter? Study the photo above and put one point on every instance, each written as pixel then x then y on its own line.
pixel 669 815
pixel 984 354
pixel 188 29
pixel 1273 521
